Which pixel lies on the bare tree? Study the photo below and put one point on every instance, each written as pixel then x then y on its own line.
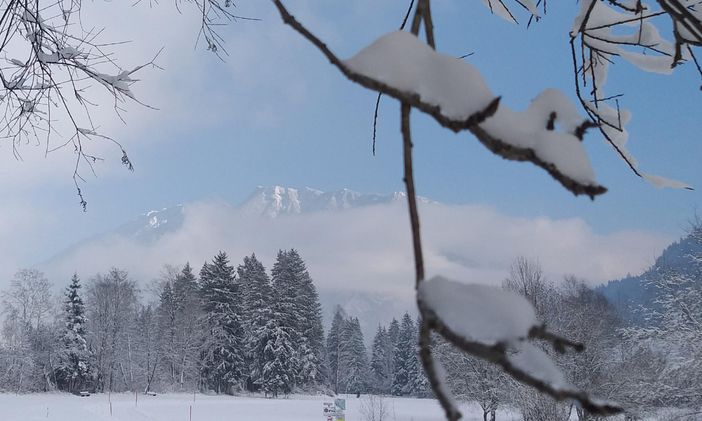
pixel 375 408
pixel 29 297
pixel 53 60
pixel 527 279
pixel 112 309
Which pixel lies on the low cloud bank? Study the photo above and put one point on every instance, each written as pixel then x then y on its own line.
pixel 368 249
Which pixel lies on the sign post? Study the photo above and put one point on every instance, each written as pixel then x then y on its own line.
pixel 334 411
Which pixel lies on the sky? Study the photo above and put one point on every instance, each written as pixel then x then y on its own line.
pixel 273 111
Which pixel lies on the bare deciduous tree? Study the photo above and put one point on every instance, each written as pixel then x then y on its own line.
pixel 53 60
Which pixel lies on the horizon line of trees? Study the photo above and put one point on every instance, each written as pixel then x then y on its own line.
pixel 227 330
pixel 239 329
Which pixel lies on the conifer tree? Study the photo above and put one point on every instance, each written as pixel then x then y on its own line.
pixel 311 352
pixel 353 359
pixel 299 311
pixel 404 355
pixel 188 332
pixel 257 313
pixel 391 344
pixel 417 384
pixel 286 309
pixel 334 347
pixel 380 374
pixel 278 374
pixel 185 288
pixel 73 370
pixel 222 352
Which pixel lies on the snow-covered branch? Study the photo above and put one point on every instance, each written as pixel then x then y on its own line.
pixel 52 63
pixel 454 94
pixel 496 325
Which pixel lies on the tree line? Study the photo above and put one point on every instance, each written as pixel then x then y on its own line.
pixel 227 330
pixel 645 367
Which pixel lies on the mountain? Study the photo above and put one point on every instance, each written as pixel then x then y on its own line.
pixel 632 292
pixel 271 202
pixel 277 200
pixel 148 227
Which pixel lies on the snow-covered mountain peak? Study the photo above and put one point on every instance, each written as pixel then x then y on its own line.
pixel 279 200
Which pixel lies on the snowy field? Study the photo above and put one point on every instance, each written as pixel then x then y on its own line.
pixel 176 407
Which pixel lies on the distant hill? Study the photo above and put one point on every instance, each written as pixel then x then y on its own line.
pixel 632 292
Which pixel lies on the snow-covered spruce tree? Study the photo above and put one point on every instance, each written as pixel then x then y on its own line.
pixel 418 384
pixel 280 361
pixel 73 366
pixel 353 359
pixel 393 338
pixel 189 329
pixel 408 376
pixel 548 134
pixel 380 371
pixel 333 347
pixel 310 326
pixel 179 318
pixel 223 348
pixel 404 356
pixel 257 313
pixel 296 304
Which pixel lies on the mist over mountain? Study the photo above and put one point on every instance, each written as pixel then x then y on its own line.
pixel 268 203
pixel 357 246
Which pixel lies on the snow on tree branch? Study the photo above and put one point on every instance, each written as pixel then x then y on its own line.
pixel 605 30
pixel 454 93
pixel 496 325
pixel 51 62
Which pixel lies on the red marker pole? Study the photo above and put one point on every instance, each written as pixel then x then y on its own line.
pixel 110 408
pixel 191 413
pixel 136 398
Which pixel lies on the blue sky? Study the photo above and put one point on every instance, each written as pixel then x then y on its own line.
pixel 274 112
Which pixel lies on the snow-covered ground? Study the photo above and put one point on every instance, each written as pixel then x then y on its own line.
pixel 176 407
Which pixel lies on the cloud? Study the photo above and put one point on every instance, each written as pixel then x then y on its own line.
pixel 368 249
pixel 20 216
